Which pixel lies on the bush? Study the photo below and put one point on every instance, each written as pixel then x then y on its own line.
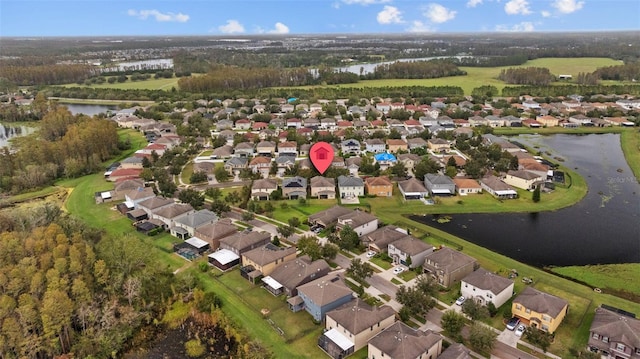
pixel 194 348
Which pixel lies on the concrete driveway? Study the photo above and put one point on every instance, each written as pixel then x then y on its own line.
pixel 508 337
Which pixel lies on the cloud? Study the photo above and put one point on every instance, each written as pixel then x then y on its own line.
pixel 524 26
pixel 438 14
pixel 231 27
pixel 279 28
pixel 545 13
pixel 419 26
pixel 517 7
pixel 473 3
pixel 365 2
pixel 567 6
pixel 389 15
pixel 159 16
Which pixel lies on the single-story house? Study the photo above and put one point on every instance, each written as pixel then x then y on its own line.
pixel 224 259
pixel 465 186
pixel 497 188
pixel 241 242
pixel 439 185
pixel 412 189
pixel 524 179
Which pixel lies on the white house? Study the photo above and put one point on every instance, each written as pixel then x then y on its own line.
pixel 361 222
pixel 409 251
pixel 486 287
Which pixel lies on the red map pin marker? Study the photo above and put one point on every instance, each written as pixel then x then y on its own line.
pixel 321 155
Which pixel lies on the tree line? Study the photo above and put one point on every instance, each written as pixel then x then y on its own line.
pixel 537 76
pixel 415 70
pixel 66 146
pixel 50 74
pixel 626 72
pixel 564 90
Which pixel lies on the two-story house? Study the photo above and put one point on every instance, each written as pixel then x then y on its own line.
pixel 350 327
pixel 329 216
pixel 380 239
pixel 448 266
pixel 233 246
pixel 539 309
pixel 287 277
pixel 439 145
pixel 375 145
pixel 321 296
pixel 400 341
pixel 185 226
pixel 263 188
pixel 266 148
pixel 214 232
pixel 323 187
pixel 350 147
pixel 169 214
pixel 379 186
pixel 294 187
pixel 614 334
pixel 524 179
pixel 350 187
pixel 244 149
pixel 261 261
pixel 409 251
pixel 485 287
pixel 361 222
pixel 288 148
pixel 396 145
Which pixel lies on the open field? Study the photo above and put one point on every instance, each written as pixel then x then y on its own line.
pixel 630 142
pixel 618 277
pixel 150 84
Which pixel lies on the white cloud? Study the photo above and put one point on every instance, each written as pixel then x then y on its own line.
pixel 438 14
pixel 568 6
pixel 419 26
pixel 389 15
pixel 231 27
pixel 365 2
pixel 473 3
pixel 159 16
pixel 279 28
pixel 517 7
pixel 524 26
pixel 545 13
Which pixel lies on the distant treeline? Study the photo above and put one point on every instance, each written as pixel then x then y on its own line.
pixel 564 90
pixel 44 74
pixel 415 70
pixel 536 76
pixel 626 72
pixel 491 61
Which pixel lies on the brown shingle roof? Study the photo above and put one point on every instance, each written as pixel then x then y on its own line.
pixel 400 341
pixel 617 327
pixel 319 181
pixel 540 302
pixel 357 315
pixel 378 181
pixel 241 241
pixel 456 351
pixel 325 290
pixel 448 259
pixel 330 215
pixel 268 254
pixel 486 280
pixel 411 245
pixel 291 274
pixel 173 210
pixel 222 228
pixel 383 236
pixel 466 183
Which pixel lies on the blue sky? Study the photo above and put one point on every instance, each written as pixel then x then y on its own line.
pixel 218 17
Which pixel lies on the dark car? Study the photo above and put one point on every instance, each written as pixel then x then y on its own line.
pixel 513 323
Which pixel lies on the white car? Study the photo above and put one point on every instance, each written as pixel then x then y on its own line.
pixel 520 330
pixel 398 270
pixel 371 254
pixel 460 300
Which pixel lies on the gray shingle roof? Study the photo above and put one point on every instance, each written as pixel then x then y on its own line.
pixel 198 218
pixel 344 181
pixel 486 280
pixel 325 290
pixel 357 315
pixel 411 245
pixel 540 302
pixel 399 341
pixel 617 327
pixel 448 259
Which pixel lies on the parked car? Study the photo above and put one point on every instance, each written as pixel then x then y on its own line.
pixel 520 330
pixel 460 300
pixel 398 270
pixel 513 323
pixel 371 254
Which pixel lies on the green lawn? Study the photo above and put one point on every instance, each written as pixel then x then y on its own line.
pixel 630 142
pixel 27 196
pixel 302 211
pixel 186 173
pixel 150 84
pixel 616 277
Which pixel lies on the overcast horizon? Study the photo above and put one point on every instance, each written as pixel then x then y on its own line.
pixel 72 18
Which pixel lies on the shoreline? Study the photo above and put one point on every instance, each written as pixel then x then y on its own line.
pixel 80 101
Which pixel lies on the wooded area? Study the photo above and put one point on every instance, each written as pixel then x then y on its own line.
pixel 536 76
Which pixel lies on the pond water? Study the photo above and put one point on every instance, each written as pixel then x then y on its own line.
pixel 89 110
pixel 602 228
pixel 365 69
pixel 9 131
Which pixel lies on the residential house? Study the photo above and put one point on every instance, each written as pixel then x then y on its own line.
pixel 214 232
pixel 409 160
pixel 456 351
pixel 397 145
pixel 497 188
pixel 361 222
pixel 287 108
pixel 293 123
pixel 379 186
pixel 304 149
pixel 350 187
pixel 415 143
pixel 409 251
pixel 242 242
pixel 321 296
pixel 412 189
pixel 323 187
pixel 548 121
pixel 383 107
pixel 385 160
pixel 235 164
pixel 494 121
pixel 288 148
pixel 261 189
pixel 292 274
pixel 155 203
pixel 328 123
pixel 439 145
pixel 244 149
pixel 136 196
pixel 476 121
pixel 243 124
pixel 349 327
pixel 375 145
pixel 353 165
pixel 261 261
pixel 284 163
pixel 350 147
pixel 227 135
pixel 524 179
pixel 338 162
pixel 448 266
pixel 614 334
pixel 485 287
pixel 380 239
pixel 294 187
pixel 185 226
pixel 121 174
pixel 266 148
pixel 539 309
pixel 400 341
pixel 132 162
pixel 581 120
pixel 328 217
pixel 439 185
pixel 459 161
pixel 260 164
pixel 169 214
pixel 465 186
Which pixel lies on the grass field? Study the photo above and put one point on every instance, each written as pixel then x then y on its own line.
pixel 630 142
pixel 618 277
pixel 150 84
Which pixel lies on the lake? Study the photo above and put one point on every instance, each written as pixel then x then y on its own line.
pixel 603 228
pixel 369 68
pixel 89 110
pixel 9 131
